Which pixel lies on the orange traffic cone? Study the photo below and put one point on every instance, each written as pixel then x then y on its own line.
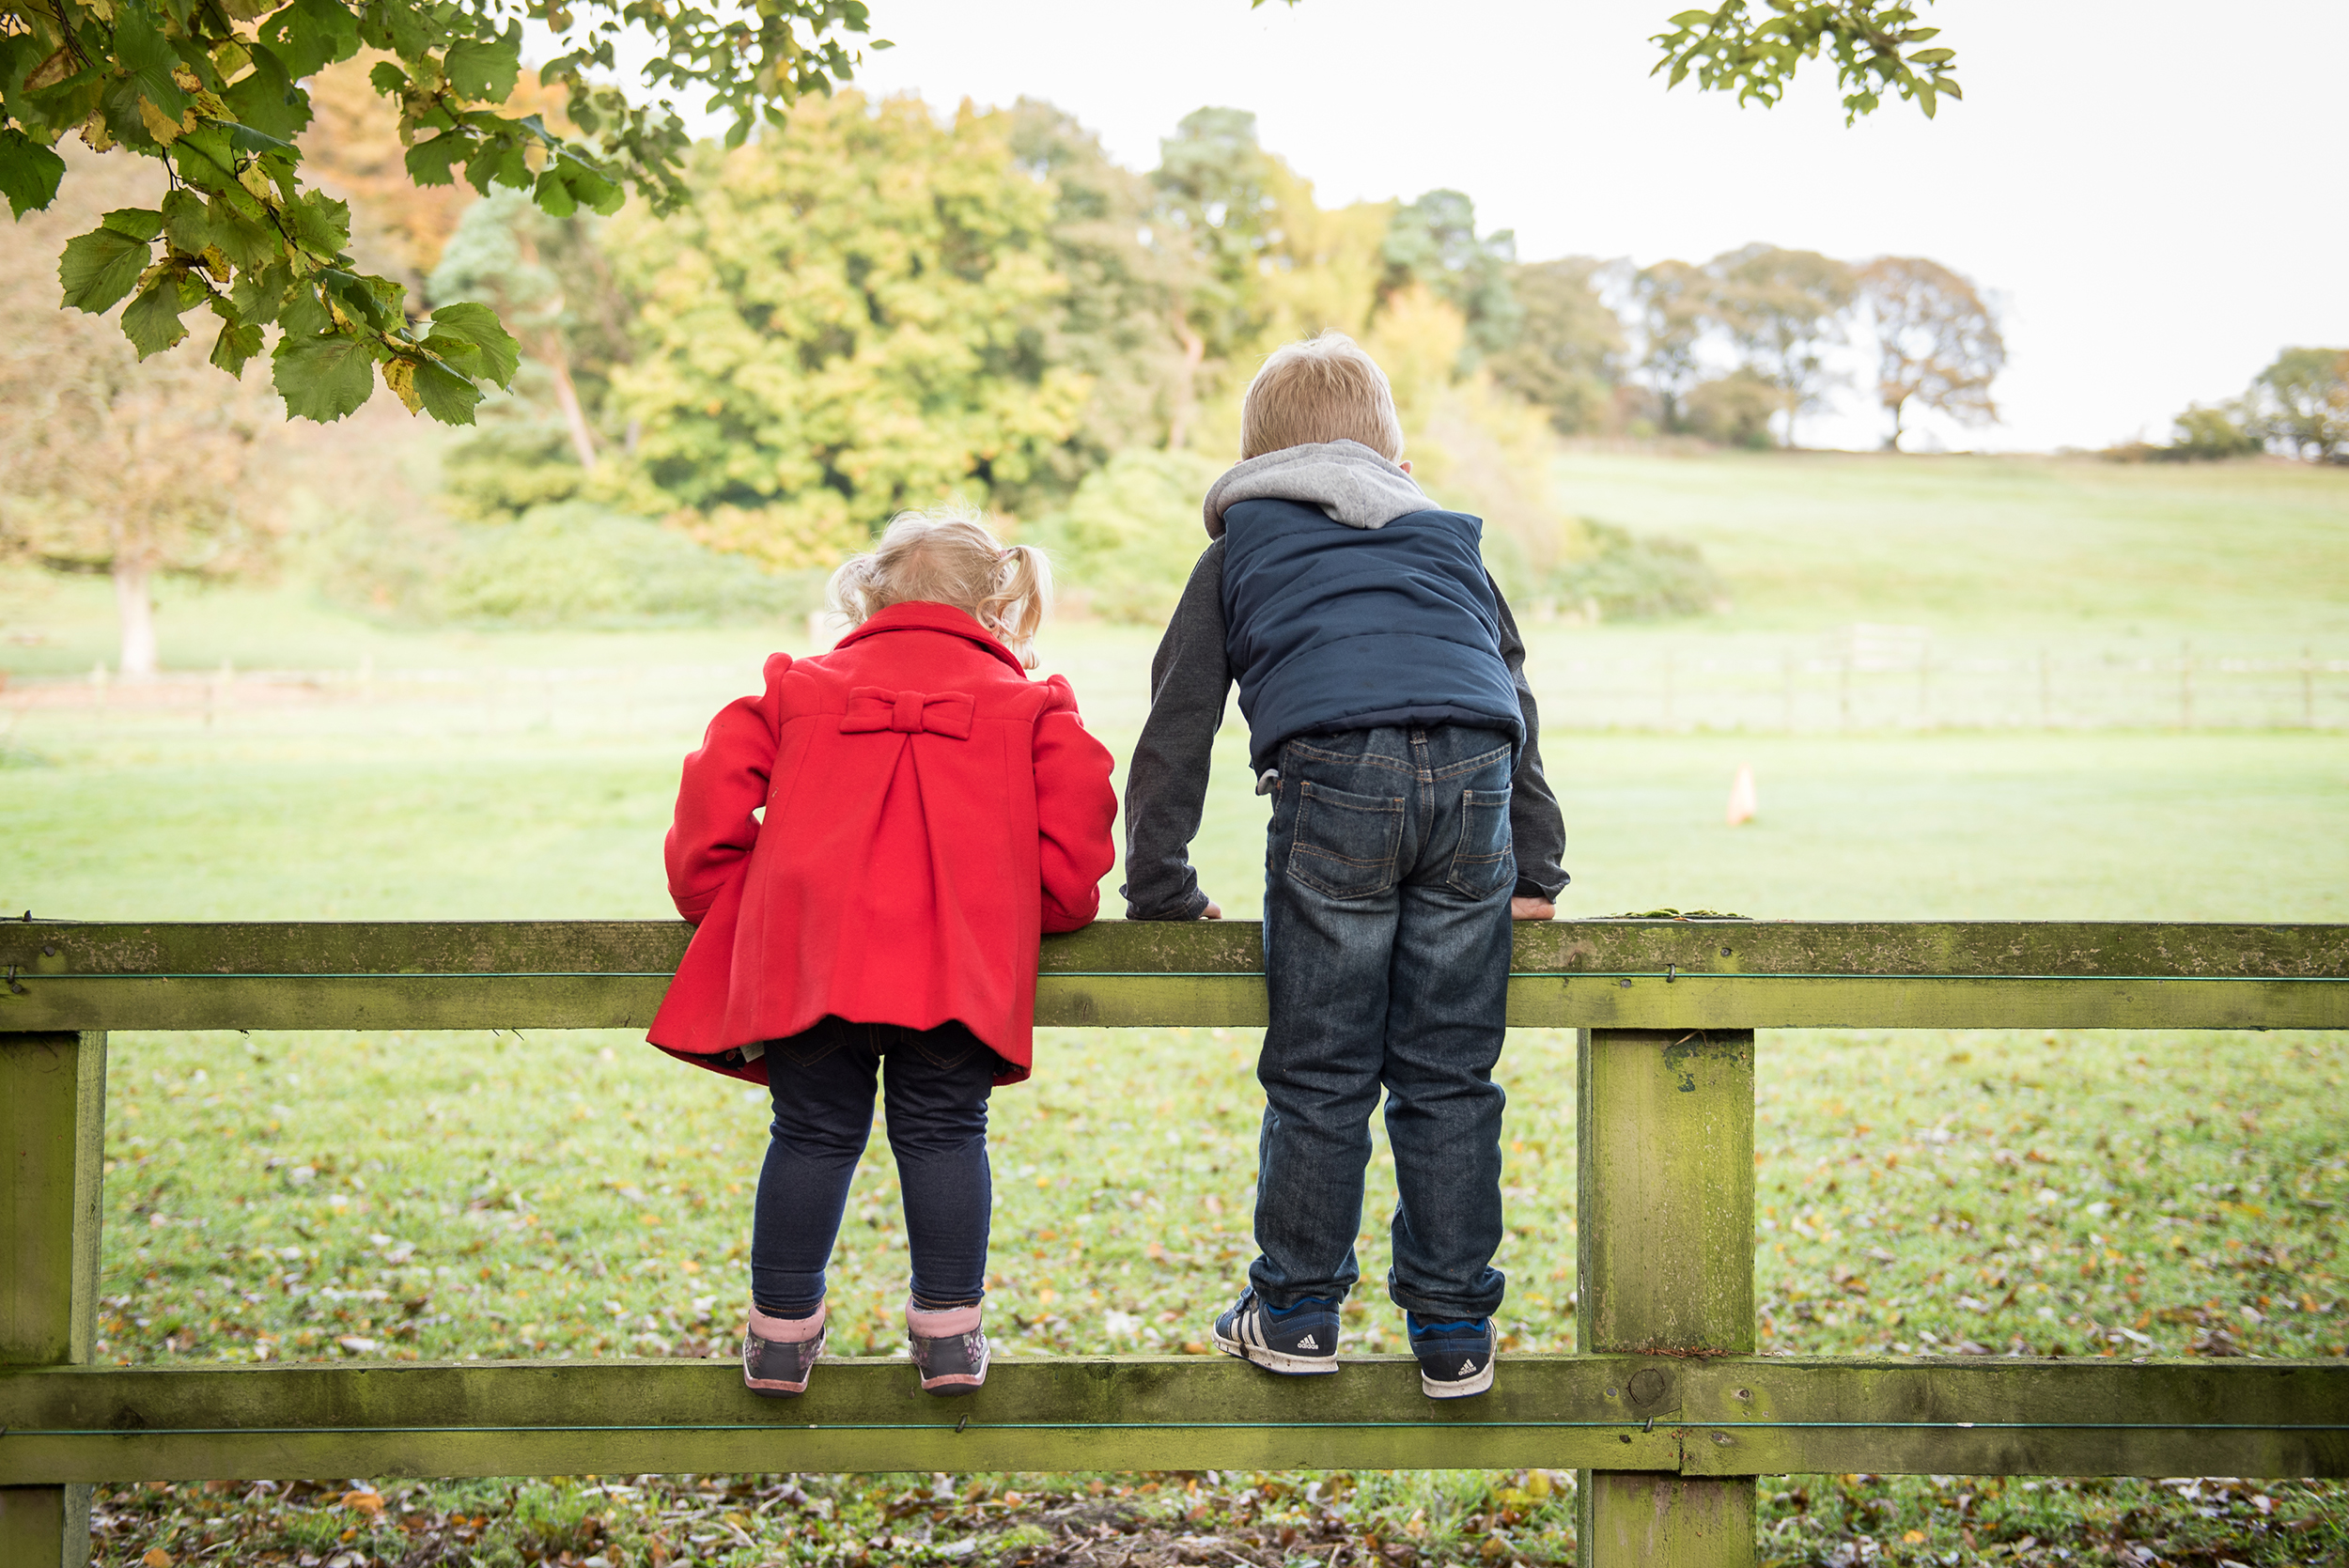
pixel 1742 803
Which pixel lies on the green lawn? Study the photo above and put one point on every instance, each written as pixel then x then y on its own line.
pixel 438 1195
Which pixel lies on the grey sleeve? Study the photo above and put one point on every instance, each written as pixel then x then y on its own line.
pixel 1166 783
pixel 1535 824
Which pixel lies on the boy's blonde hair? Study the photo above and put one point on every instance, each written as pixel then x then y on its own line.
pixel 1324 388
pixel 948 556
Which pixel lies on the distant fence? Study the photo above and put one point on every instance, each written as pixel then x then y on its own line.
pixel 1901 679
pixel 1865 678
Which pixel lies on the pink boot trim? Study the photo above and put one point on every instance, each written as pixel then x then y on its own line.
pixel 788 1330
pixel 949 1349
pixel 941 1326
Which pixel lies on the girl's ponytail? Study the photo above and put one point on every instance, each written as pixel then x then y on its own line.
pixel 1017 606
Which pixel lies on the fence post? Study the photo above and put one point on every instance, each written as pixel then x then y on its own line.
pixel 53 1129
pixel 1664 1210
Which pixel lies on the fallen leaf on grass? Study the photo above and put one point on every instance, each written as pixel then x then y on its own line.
pixel 365 1502
pixel 156 1558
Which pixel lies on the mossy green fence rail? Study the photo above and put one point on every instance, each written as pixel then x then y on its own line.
pixel 1666 1409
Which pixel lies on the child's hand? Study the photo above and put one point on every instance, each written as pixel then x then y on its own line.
pixel 1531 908
pixel 1213 911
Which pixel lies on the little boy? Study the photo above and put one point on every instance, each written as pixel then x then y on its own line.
pixel 1381 677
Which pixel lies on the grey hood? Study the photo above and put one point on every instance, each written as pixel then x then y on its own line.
pixel 1348 480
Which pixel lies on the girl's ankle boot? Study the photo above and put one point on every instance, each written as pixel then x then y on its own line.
pixel 949 1349
pixel 778 1353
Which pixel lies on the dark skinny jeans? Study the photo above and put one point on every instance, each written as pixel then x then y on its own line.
pixel 935 1084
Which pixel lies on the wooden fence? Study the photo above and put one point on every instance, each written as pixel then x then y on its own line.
pixel 1665 1409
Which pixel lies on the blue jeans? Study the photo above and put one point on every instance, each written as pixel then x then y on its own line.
pixel 1388 873
pixel 935 1084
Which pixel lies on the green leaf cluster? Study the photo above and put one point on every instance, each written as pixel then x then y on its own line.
pixel 1755 52
pixel 847 320
pixel 211 89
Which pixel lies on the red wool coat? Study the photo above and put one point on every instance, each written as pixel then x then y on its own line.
pixel 929 811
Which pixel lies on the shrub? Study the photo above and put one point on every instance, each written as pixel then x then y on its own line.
pixel 1734 410
pixel 1635 577
pixel 1126 540
pixel 2213 433
pixel 577 564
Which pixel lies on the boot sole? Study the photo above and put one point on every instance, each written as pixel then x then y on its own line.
pixel 1281 1361
pixel 1458 1387
pixel 956 1383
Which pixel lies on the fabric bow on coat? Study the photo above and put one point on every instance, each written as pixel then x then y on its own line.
pixel 875 707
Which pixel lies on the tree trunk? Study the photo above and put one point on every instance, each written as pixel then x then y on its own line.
pixel 135 608
pixel 1194 352
pixel 567 399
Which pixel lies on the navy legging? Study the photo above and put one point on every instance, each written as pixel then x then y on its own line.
pixel 934 1084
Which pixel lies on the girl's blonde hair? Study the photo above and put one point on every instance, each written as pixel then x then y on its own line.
pixel 948 556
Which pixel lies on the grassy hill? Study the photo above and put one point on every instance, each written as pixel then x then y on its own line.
pixel 2257 551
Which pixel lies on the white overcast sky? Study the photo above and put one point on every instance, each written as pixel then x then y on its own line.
pixel 2154 190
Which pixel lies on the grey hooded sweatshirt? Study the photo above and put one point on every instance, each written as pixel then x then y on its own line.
pixel 1191 679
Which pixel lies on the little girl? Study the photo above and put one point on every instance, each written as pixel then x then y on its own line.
pixel 869 851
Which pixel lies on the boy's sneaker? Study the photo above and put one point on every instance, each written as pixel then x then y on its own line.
pixel 949 1349
pixel 778 1353
pixel 1298 1342
pixel 1455 1359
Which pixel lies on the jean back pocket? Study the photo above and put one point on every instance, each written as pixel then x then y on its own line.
pixel 1344 844
pixel 1486 860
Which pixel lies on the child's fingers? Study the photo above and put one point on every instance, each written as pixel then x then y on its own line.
pixel 1531 908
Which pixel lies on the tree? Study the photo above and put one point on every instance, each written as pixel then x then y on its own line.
pixel 1215 197
pixel 1675 305
pixel 214 93
pixel 1938 343
pixel 1569 344
pixel 352 151
pixel 118 463
pixel 1120 320
pixel 546 278
pixel 2303 401
pixel 847 320
pixel 1874 43
pixel 1783 308
pixel 1434 241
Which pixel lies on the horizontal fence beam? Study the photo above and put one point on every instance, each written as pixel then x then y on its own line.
pixel 1724 1417
pixel 1595 975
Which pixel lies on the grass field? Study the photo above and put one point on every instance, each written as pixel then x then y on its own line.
pixel 322 1195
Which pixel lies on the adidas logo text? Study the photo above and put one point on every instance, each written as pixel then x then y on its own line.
pixel 1308 1342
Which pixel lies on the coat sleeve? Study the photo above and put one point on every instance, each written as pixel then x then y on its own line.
pixel 724 783
pixel 1074 809
pixel 1537 826
pixel 1166 780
